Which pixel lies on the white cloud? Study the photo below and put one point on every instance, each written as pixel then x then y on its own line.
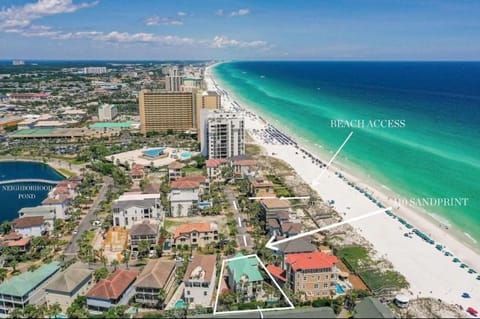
pixel 181 13
pixel 240 12
pixel 22 16
pixel 235 13
pixel 156 20
pixel 225 42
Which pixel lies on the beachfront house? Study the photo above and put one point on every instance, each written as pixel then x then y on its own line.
pixel 271 206
pixel 131 209
pixel 154 285
pixel 244 277
pixel 113 291
pixel 68 285
pixel 199 280
pixel 26 288
pixel 313 275
pixel 371 307
pixel 195 234
pixel 261 187
pixel 30 226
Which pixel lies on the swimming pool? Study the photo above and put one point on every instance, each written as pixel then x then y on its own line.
pixel 339 289
pixel 186 155
pixel 154 152
pixel 180 304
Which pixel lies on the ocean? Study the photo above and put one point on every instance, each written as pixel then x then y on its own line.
pixel 14 196
pixel 428 149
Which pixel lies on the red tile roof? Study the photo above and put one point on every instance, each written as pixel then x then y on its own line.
pixel 178 184
pixel 315 260
pixel 18 243
pixel 214 162
pixel 26 222
pixel 275 203
pixel 277 272
pixel 114 286
pixel 188 228
pixel 188 182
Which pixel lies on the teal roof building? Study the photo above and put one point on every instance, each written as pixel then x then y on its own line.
pixel 19 290
pixel 244 276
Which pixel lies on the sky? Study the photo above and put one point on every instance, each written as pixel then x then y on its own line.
pixel 240 30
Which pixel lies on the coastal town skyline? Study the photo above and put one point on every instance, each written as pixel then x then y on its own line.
pixel 247 30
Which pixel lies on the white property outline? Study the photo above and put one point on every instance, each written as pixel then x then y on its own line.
pixel 249 310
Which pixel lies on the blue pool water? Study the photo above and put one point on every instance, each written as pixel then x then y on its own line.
pixel 339 289
pixel 186 155
pixel 180 304
pixel 154 152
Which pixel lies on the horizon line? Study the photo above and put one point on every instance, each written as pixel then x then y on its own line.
pixel 231 60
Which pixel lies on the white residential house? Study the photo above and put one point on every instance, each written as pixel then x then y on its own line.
pixel 59 203
pixel 133 209
pixel 200 280
pixel 30 226
pixel 184 197
pixel 48 213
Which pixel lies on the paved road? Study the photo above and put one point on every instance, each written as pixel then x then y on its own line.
pixel 244 240
pixel 86 222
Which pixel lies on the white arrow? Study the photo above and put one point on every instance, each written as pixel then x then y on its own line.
pixel 316 181
pixel 270 244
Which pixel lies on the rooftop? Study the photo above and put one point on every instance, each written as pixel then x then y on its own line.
pixel 144 229
pixel 198 227
pixel 176 165
pixel 156 273
pixel 69 280
pixel 26 222
pixel 114 286
pixel 214 162
pixel 245 267
pixel 315 260
pixel 24 283
pixel 112 125
pixel 277 272
pixel 201 268
pixel 372 308
pixel 272 203
pixel 299 245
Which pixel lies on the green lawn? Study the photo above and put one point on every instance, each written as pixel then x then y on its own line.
pixel 357 259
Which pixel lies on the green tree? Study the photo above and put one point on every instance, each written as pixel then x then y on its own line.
pixel 78 308
pixel 143 249
pixel 114 264
pixel 3 273
pixel 101 273
pixel 5 227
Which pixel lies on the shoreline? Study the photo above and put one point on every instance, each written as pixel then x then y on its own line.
pixel 412 257
pixel 358 176
pixel 54 164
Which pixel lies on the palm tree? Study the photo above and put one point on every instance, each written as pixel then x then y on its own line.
pixel 114 264
pixel 3 273
pixel 162 294
pixel 14 265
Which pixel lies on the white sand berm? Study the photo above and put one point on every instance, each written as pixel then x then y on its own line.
pixel 429 272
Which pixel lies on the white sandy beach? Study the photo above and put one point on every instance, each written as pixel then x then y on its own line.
pixel 429 272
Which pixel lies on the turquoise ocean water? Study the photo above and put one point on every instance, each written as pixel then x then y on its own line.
pixel 435 155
